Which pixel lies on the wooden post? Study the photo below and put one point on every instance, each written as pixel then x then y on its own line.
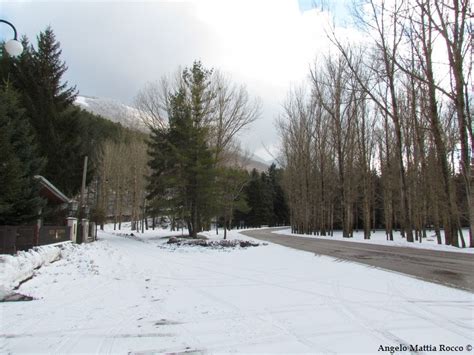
pixel 83 186
pixel 81 207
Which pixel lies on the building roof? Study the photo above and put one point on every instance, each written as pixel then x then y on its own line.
pixel 51 192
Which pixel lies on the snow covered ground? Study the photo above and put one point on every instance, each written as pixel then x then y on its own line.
pixel 380 238
pixel 22 266
pixel 135 294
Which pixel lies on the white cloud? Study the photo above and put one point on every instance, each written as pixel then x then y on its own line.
pixel 270 46
pixel 113 48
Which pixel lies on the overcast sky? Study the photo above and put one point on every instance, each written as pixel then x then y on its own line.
pixel 113 48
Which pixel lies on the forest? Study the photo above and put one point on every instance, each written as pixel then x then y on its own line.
pixel 381 134
pixel 185 169
pixel 379 137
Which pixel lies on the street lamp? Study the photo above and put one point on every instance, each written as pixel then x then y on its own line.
pixel 13 46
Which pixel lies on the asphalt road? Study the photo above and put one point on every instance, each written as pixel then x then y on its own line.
pixel 445 268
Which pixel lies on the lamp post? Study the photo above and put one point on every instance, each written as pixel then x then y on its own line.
pixel 13 46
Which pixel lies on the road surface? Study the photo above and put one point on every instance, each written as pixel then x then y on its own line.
pixel 446 268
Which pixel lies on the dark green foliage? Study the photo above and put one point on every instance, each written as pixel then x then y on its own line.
pixel 259 200
pixel 37 76
pixel 19 162
pixel 183 175
pixel 265 199
pixel 50 70
pixel 50 127
pixel 280 213
pixel 64 133
pixel 49 103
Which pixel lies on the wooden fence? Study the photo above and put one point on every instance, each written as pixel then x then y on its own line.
pixel 15 238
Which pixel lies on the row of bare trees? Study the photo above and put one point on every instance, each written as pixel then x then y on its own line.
pixel 121 181
pixel 384 133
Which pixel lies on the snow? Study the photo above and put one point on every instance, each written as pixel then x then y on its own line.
pixel 15 269
pixel 112 110
pixel 379 237
pixel 81 100
pixel 136 294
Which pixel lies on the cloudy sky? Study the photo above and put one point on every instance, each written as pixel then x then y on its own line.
pixel 113 48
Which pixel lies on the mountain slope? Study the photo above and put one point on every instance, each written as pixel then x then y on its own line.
pixel 127 116
pixel 112 110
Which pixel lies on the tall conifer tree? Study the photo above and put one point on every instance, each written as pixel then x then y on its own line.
pixel 280 214
pixel 19 162
pixel 183 172
pixel 38 75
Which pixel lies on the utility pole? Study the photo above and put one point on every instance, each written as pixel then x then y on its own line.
pixel 81 207
pixel 83 187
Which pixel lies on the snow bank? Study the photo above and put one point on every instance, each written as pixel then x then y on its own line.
pixel 16 268
pixel 378 237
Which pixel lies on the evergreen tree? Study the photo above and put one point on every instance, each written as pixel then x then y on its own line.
pixel 280 213
pixel 265 199
pixel 181 161
pixel 265 195
pixel 50 69
pixel 17 70
pixel 259 200
pixel 37 74
pixel 19 162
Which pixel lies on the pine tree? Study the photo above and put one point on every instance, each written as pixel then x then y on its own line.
pixel 280 214
pixel 181 161
pixel 259 200
pixel 50 69
pixel 265 195
pixel 38 76
pixel 19 162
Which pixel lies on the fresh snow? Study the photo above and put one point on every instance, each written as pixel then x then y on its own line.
pixel 112 110
pixel 81 101
pixel 137 294
pixel 379 237
pixel 15 269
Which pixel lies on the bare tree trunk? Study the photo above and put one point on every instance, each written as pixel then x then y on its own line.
pixel 452 23
pixel 225 226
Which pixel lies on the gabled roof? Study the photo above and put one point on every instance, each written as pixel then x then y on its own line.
pixel 51 192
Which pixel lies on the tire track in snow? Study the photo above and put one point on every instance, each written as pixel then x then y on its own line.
pixel 430 315
pixel 208 268
pixel 259 315
pixel 384 335
pixel 238 315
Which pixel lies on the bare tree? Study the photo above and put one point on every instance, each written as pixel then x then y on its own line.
pixel 452 21
pixel 153 99
pixel 229 108
pixel 234 110
pixel 382 89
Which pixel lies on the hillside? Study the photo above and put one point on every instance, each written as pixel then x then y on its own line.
pixel 112 110
pixel 127 116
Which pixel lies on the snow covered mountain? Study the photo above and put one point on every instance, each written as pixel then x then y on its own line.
pixel 265 162
pixel 112 110
pixel 253 163
pixel 128 116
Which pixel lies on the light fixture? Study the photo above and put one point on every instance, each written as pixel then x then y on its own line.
pixel 13 46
